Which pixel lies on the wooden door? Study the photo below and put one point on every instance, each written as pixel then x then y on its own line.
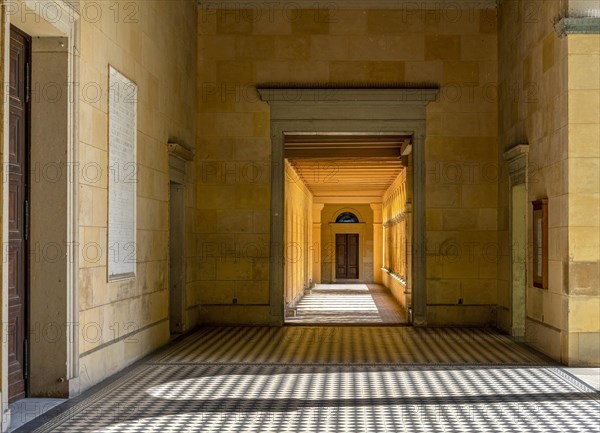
pixel 346 256
pixel 352 271
pixel 18 196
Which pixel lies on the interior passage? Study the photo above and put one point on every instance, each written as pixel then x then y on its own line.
pixel 348 303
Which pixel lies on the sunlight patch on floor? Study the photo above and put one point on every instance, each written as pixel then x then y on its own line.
pixel 348 303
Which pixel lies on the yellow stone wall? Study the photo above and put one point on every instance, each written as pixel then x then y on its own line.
pixel 151 42
pixel 583 64
pixel 239 49
pixel 549 100
pixel 298 237
pixel 533 110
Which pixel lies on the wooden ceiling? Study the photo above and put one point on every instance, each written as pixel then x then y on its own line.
pixel 342 167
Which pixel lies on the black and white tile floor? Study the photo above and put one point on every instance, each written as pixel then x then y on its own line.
pixel 276 380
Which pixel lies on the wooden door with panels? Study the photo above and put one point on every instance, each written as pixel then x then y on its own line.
pixel 18 213
pixel 346 256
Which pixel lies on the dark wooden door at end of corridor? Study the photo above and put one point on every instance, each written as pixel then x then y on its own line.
pixel 18 196
pixel 346 256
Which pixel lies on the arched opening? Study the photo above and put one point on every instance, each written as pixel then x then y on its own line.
pixel 347 217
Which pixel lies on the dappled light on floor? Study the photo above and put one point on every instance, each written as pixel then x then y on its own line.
pixel 348 303
pixel 269 380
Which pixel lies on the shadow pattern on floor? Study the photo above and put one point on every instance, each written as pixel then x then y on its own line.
pixel 309 379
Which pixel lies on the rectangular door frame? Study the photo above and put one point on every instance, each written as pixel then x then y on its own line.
pixel 386 111
pixel 346 242
pixel 55 362
pixel 179 157
pixel 176 258
pixel 513 317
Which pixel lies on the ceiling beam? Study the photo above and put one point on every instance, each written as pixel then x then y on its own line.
pixel 357 199
pixel 364 152
pixel 345 145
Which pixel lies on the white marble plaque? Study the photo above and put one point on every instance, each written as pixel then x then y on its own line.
pixel 122 176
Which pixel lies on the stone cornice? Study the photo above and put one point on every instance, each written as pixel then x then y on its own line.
pixel 180 151
pixel 516 151
pixel 348 4
pixel 333 95
pixel 517 159
pixel 577 25
pixel 61 14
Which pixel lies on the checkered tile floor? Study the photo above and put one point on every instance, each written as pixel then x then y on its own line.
pixel 199 384
pixel 343 345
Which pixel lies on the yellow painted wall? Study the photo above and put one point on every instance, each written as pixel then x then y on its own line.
pixel 240 49
pixel 298 237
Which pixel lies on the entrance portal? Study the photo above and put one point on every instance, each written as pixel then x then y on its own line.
pixel 327 116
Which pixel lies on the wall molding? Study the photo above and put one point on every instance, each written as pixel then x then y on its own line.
pixel 517 159
pixel 181 151
pixel 347 4
pixel 178 156
pixel 333 95
pixel 577 26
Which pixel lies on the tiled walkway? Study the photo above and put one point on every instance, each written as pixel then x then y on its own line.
pixel 348 303
pixel 337 379
pixel 23 411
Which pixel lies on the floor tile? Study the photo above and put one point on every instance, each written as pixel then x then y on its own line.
pixel 337 379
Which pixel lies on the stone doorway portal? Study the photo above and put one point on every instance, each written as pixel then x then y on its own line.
pixel 351 110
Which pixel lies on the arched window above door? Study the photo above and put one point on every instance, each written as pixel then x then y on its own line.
pixel 346 217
